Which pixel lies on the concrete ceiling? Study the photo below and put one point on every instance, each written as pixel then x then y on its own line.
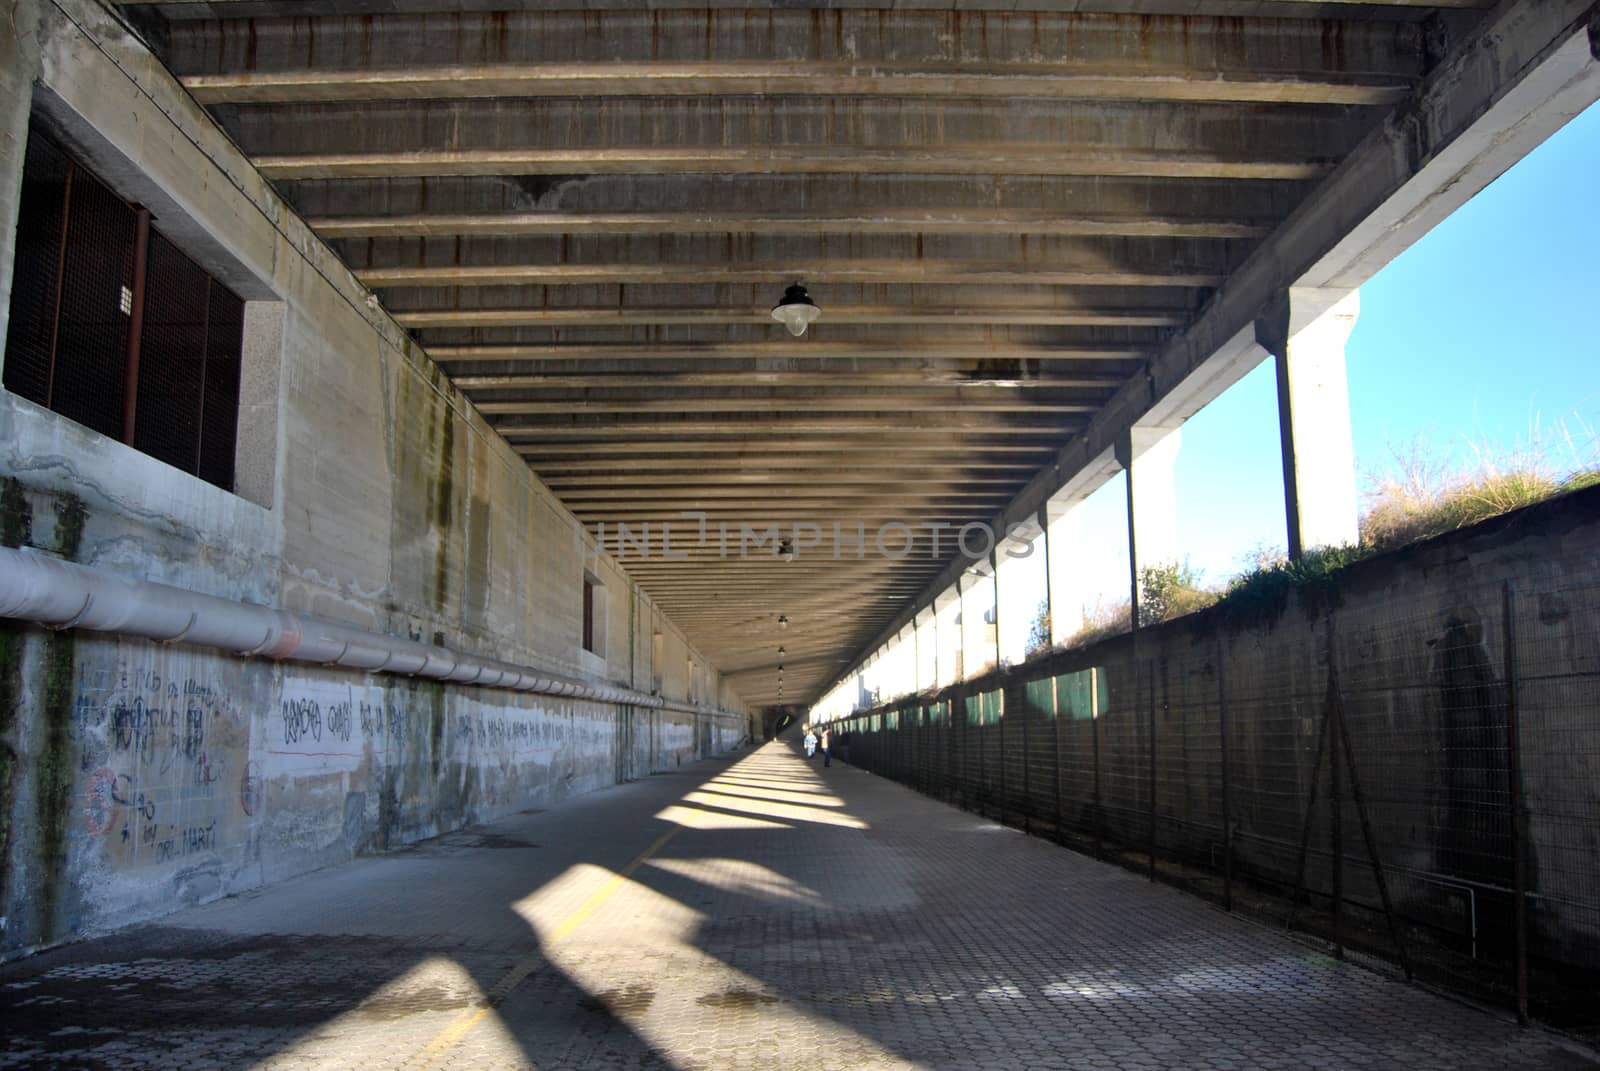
pixel 585 216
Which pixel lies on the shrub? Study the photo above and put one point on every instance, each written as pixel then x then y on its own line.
pixel 1424 494
pixel 1170 591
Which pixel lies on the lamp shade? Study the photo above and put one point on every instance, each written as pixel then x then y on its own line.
pixel 796 311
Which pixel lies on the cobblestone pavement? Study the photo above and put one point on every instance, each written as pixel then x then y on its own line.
pixel 759 912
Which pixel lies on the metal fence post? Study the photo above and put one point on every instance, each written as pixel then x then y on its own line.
pixel 1001 721
pixel 1519 870
pixel 1055 725
pixel 1227 808
pixel 1094 739
pixel 1151 704
pixel 1027 779
pixel 1335 811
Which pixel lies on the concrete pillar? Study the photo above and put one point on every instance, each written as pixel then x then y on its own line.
pixel 19 67
pixel 946 608
pixel 1305 332
pixel 977 647
pixel 1148 456
pixel 1042 518
pixel 926 625
pixel 994 588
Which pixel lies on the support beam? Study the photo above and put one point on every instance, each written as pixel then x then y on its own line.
pixel 958 447
pixel 776 79
pixel 788 425
pixel 1306 332
pixel 968 402
pixel 787 160
pixel 814 272
pixel 884 221
pixel 939 379
pixel 865 482
pixel 611 316
pixel 597 354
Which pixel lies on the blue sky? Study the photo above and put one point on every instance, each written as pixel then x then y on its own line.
pixel 1488 330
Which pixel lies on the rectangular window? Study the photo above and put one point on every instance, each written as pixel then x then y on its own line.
pixel 588 616
pixel 658 661
pixel 114 327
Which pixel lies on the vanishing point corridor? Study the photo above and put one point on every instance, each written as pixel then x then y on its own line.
pixel 757 912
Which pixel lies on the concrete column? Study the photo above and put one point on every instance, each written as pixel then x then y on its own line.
pixel 1042 518
pixel 994 586
pixel 926 626
pixel 946 608
pixel 1305 332
pixel 19 67
pixel 1148 455
pixel 977 649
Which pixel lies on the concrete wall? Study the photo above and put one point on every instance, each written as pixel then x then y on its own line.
pixel 138 777
pixel 1415 646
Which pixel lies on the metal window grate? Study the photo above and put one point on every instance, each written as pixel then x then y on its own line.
pixel 35 284
pixel 91 349
pixel 103 306
pixel 172 357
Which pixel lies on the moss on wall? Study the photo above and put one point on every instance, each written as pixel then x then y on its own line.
pixel 443 502
pixel 52 786
pixel 16 529
pixel 435 727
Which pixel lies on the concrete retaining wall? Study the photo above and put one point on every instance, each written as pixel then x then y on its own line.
pixel 1207 735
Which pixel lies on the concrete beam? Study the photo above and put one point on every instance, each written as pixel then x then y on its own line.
pixel 840 41
pixel 839 466
pixel 786 349
pixel 775 79
pixel 958 446
pixel 978 9
pixel 814 481
pixel 938 379
pixel 822 271
pixel 887 221
pixel 762 315
pixel 614 204
pixel 1007 159
pixel 776 425
pixel 983 400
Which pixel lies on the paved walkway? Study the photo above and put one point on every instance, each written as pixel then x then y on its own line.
pixel 753 913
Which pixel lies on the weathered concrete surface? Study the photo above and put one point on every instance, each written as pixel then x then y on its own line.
pixel 139 777
pixel 765 913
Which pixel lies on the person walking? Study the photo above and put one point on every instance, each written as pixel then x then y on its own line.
pixel 811 743
pixel 827 746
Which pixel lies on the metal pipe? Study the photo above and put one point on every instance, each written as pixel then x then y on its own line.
pixel 35 586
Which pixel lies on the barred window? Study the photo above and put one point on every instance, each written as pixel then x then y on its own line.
pixel 114 327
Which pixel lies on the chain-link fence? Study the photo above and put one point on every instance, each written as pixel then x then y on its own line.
pixel 1414 778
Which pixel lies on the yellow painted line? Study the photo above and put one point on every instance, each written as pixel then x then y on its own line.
pixel 446 1039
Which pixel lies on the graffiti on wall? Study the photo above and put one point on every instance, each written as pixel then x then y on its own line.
pixel 157 741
